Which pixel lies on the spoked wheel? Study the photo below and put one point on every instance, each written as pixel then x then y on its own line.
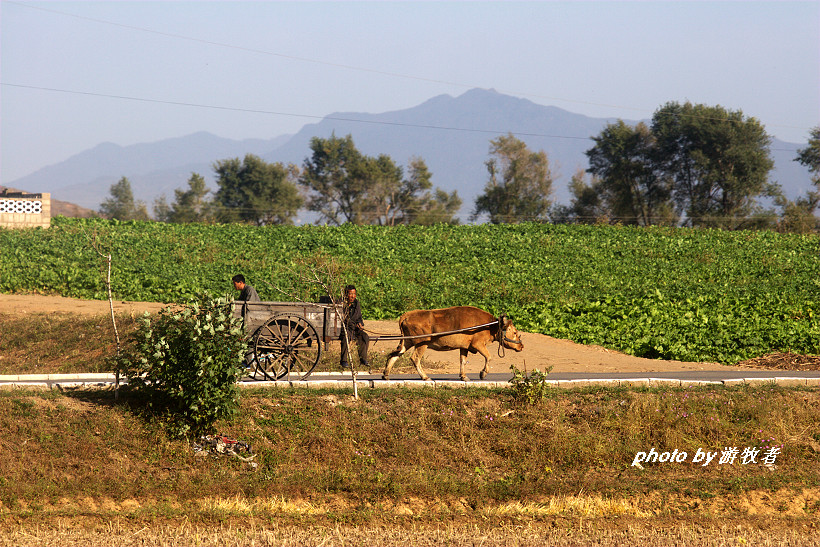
pixel 285 343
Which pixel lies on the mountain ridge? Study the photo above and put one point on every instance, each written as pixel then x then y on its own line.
pixel 451 134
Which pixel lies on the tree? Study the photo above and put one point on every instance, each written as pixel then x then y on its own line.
pixel 415 202
pixel 587 204
pixel 632 190
pixel 519 186
pixel 718 159
pixel 121 204
pixel 810 155
pixel 189 205
pixel 345 185
pixel 257 192
pixel 798 215
pixel 334 177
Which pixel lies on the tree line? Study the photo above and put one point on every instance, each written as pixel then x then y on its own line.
pixel 692 165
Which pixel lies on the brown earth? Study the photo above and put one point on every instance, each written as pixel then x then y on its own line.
pixel 539 352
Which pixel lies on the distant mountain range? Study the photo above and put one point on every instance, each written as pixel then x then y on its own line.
pixel 451 134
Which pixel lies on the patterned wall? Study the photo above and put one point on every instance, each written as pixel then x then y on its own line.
pixel 22 210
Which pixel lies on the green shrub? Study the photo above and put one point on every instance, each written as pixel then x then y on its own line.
pixel 186 362
pixel 530 389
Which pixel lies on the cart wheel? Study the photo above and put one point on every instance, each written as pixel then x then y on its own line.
pixel 285 343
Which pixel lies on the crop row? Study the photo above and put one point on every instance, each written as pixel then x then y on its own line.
pixel 668 293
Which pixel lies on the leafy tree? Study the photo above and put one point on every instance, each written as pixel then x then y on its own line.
pixel 810 155
pixel 587 204
pixel 121 204
pixel 415 202
pixel 632 191
pixel 189 205
pixel 519 186
pixel 718 159
pixel 798 215
pixel 345 185
pixel 335 177
pixel 162 211
pixel 254 191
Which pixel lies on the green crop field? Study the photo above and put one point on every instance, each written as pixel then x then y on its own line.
pixel 670 293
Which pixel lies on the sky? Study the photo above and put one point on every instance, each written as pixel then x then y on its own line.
pixel 77 74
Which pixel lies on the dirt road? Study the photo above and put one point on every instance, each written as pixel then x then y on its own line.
pixel 539 352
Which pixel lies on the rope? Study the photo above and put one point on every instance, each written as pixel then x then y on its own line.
pixel 399 337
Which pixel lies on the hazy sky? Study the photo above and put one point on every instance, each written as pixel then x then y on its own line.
pixel 76 74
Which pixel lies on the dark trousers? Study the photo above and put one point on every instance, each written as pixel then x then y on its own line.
pixel 361 339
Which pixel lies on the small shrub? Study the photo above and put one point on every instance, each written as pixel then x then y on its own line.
pixel 530 389
pixel 186 363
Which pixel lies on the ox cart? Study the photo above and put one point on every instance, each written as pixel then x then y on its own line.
pixel 285 339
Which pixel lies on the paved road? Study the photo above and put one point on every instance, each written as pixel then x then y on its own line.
pixel 717 376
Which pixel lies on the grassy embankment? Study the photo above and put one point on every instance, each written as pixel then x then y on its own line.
pixel 416 467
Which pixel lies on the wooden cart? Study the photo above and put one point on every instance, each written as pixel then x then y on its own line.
pixel 286 338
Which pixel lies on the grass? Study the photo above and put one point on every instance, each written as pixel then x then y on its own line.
pixel 402 459
pixel 59 343
pixel 38 343
pixel 416 466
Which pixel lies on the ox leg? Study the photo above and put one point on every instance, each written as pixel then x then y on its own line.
pixel 392 358
pixel 483 351
pixel 416 358
pixel 463 361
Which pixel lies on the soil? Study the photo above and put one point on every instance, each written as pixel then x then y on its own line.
pixel 540 351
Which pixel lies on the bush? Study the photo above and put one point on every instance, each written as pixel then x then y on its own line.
pixel 530 389
pixel 186 362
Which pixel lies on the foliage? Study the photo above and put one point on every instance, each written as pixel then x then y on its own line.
pixel 810 155
pixel 256 192
pixel 530 388
pixel 798 215
pixel 348 186
pixel 519 186
pixel 189 205
pixel 121 204
pixel 186 363
pixel 706 163
pixel 659 292
pixel 587 204
pixel 719 160
pixel 632 189
pixel 414 203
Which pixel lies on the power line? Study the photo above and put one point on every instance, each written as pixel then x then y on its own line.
pixel 315 117
pixel 275 113
pixel 338 65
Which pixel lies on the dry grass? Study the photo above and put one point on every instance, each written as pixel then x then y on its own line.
pixel 410 467
pixel 559 532
pixel 402 466
pixel 59 343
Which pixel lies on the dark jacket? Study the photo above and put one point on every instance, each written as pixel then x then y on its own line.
pixel 248 294
pixel 353 316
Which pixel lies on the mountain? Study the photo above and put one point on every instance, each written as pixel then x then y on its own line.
pixel 154 169
pixel 451 134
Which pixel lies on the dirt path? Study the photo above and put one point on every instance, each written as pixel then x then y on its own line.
pixel 540 351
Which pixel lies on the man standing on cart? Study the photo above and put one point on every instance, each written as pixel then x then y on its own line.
pixel 354 325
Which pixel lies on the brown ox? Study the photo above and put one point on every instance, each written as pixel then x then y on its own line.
pixel 420 329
